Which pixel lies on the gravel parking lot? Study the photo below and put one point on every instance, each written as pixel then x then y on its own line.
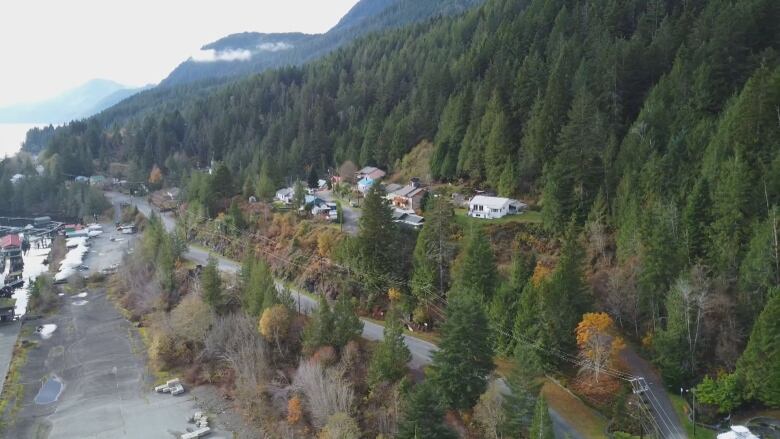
pixel 100 360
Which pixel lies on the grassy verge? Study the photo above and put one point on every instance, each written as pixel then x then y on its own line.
pixel 582 418
pixel 530 216
pixel 681 407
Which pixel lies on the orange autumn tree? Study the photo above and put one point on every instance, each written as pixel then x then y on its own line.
pixel 294 410
pixel 598 342
pixel 155 177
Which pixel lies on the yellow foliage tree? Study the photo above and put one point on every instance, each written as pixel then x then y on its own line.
pixel 394 294
pixel 155 176
pixel 541 272
pixel 326 241
pixel 598 342
pixel 274 324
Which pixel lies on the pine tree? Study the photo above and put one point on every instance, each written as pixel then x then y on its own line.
pixel 390 357
pixel 346 324
pixel 760 269
pixel 265 184
pixel 424 416
pixel 759 365
pixel 320 330
pixel 434 250
pixel 464 360
pixel 211 284
pixel 299 194
pixel 312 179
pixel 565 297
pixel 477 274
pixel 259 292
pixel 695 219
pixel 237 216
pixel 376 242
pixel 524 382
pixel 504 306
pixel 541 428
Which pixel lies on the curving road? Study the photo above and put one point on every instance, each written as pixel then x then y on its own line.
pixel 422 351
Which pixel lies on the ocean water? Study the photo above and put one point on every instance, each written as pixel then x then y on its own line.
pixel 11 137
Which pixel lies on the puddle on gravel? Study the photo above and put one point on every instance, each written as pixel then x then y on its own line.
pixel 47 330
pixel 49 392
pixel 80 302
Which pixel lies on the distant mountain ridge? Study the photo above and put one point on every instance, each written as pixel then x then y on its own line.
pixel 252 52
pixel 83 101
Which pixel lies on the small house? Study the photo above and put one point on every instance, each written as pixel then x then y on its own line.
pixel 738 432
pixel 483 206
pixel 365 184
pixel 82 179
pixel 97 180
pixel 41 221
pixel 285 195
pixel 408 219
pixel 10 246
pixel 371 173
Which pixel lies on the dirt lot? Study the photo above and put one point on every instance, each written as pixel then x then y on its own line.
pixel 99 358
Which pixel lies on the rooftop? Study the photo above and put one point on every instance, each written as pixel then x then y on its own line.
pixel 493 202
pixel 9 241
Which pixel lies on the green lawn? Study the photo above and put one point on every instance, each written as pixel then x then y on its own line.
pixel 529 216
pixel 682 412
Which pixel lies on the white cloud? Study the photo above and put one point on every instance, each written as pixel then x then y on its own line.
pixel 37 38
pixel 211 55
pixel 274 47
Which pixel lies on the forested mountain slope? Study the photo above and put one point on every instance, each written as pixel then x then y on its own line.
pixel 276 50
pixel 653 124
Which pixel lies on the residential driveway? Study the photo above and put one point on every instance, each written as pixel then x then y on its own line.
pixel 421 350
pixel 351 215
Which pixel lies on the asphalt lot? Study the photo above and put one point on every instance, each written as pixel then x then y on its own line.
pixel 100 359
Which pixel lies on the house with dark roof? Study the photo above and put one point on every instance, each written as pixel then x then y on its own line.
pixel 370 172
pixel 407 219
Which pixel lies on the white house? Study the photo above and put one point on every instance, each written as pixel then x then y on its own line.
pixel 285 195
pixel 483 206
pixel 738 432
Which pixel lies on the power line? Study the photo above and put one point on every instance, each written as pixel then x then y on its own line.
pixel 429 293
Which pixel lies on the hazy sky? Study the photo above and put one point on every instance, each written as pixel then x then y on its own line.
pixel 49 46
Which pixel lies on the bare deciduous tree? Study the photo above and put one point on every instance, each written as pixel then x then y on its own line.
pixel 623 296
pixel 489 411
pixel 326 391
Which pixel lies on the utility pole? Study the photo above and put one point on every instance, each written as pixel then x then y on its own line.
pixel 693 392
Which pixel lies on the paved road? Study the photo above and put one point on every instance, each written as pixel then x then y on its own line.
pixel 422 351
pixel 657 399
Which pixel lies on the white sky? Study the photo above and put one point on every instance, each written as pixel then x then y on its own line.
pixel 49 46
